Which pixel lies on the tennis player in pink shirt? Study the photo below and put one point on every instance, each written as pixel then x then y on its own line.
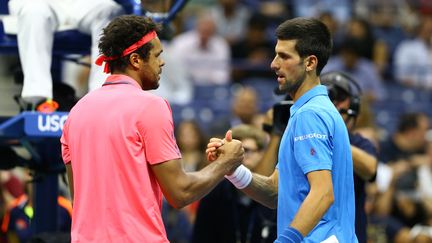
pixel 119 148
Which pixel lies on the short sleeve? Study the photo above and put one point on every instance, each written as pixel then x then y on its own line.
pixel 64 144
pixel 312 142
pixel 157 131
pixel 364 144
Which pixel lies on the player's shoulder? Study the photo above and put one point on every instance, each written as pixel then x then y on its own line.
pixel 152 103
pixel 149 97
pixel 319 108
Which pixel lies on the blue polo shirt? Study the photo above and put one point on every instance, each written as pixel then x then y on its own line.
pixel 316 138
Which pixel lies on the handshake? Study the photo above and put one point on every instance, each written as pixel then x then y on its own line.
pixel 238 174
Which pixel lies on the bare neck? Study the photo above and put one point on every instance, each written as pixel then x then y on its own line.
pixel 310 82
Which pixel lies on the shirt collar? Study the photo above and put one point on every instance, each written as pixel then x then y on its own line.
pixel 117 78
pixel 315 91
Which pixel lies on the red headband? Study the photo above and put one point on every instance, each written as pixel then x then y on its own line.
pixel 145 39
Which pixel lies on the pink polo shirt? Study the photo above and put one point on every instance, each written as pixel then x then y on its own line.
pixel 111 137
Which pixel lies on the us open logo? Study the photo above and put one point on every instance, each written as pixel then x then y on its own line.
pixel 51 123
pixel 44 125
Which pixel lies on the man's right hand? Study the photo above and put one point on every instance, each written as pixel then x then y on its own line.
pixel 228 150
pixel 214 144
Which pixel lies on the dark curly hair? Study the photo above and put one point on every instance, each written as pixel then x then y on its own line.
pixel 313 38
pixel 121 33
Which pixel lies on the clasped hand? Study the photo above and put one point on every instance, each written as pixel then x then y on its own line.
pixel 232 148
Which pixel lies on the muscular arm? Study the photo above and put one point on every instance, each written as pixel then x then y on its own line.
pixel 316 203
pixel 70 179
pixel 181 188
pixel 365 165
pixel 264 189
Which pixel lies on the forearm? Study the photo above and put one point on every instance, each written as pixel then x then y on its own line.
pixel 311 211
pixel 263 190
pixel 267 164
pixel 384 202
pixel 365 165
pixel 192 186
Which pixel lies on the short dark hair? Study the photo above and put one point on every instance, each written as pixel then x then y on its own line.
pixel 121 33
pixel 409 121
pixel 313 38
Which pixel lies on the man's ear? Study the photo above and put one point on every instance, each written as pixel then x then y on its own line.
pixel 311 62
pixel 134 60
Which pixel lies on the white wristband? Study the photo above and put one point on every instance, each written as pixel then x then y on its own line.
pixel 241 177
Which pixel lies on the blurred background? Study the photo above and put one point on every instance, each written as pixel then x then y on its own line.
pixel 217 75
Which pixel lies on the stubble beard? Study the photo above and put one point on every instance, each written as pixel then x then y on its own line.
pixel 151 84
pixel 292 87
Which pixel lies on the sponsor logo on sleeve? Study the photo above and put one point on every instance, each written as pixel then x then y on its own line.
pixel 310 136
pixel 312 151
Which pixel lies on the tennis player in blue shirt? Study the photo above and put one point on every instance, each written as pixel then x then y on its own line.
pixel 312 186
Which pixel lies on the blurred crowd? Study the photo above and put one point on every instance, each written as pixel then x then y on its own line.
pixel 217 76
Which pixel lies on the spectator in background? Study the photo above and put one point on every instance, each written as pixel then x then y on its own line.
pixel 3 207
pixel 16 222
pixel 370 48
pixel 350 61
pixel 424 174
pixel 244 110
pixel 11 187
pixel 231 18
pixel 11 184
pixel 408 140
pixel 425 7
pixel 401 155
pixel 334 26
pixel 275 11
pixel 252 54
pixel 386 24
pixel 383 226
pixel 205 53
pixel 413 58
pixel 38 20
pixel 360 29
pixel 404 152
pixel 192 141
pixel 175 84
pixel 386 21
pixel 177 223
pixel 341 9
pixel 226 214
